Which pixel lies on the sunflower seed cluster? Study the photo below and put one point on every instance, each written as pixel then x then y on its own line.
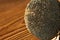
pixel 42 18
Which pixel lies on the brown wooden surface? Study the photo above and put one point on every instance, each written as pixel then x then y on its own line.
pixel 12 26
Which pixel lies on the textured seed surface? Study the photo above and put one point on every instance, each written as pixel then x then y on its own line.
pixel 42 18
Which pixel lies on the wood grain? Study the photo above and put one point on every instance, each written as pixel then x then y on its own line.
pixel 12 26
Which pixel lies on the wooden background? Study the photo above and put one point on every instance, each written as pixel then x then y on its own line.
pixel 12 26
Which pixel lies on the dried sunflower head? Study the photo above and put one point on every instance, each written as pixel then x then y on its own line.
pixel 42 18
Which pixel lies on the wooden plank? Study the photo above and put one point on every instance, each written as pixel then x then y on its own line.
pixel 12 26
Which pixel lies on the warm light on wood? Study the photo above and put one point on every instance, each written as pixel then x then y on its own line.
pixel 12 26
